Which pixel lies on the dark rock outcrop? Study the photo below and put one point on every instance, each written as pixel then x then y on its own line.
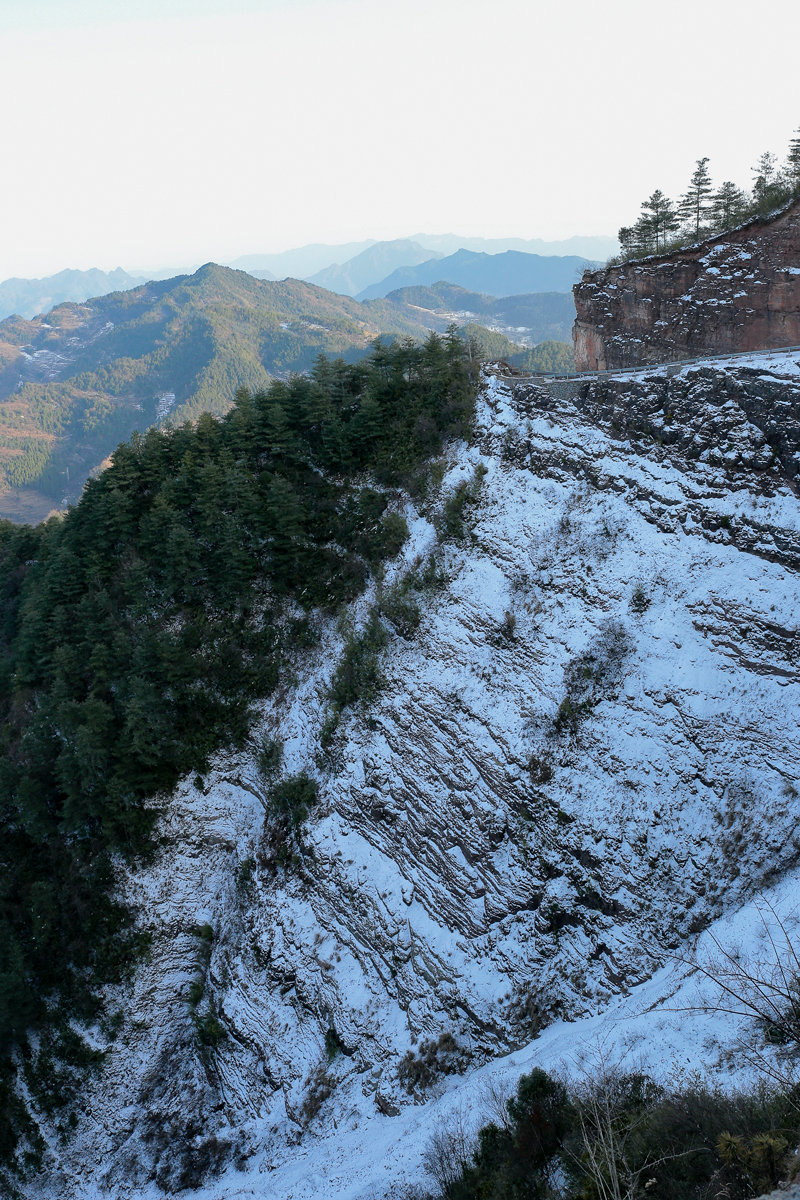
pixel 738 291
pixel 746 419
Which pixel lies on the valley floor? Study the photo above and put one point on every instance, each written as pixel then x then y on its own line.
pixel 26 505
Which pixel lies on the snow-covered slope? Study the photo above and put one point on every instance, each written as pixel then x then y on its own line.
pixel 514 884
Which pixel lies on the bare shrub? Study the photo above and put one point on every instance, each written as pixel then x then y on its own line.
pixel 506 632
pixel 185 1145
pixel 496 1095
pixel 442 1056
pixel 541 768
pixel 319 1086
pixel 612 1109
pixel 594 675
pixel 529 1011
pixel 448 1153
pixel 765 989
pixel 640 600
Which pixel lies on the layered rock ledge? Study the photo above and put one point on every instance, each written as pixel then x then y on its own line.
pixel 739 291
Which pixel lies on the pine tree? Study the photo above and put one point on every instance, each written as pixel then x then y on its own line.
pixel 729 205
pixel 670 221
pixel 644 241
pixel 285 513
pixel 365 429
pixel 694 205
pixel 793 165
pixel 766 183
pixel 660 211
pixel 279 441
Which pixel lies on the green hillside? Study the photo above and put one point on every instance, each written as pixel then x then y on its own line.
pixel 542 316
pixel 547 356
pixel 75 383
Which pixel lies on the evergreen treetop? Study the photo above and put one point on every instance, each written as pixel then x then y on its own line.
pixel 703 211
pixel 695 203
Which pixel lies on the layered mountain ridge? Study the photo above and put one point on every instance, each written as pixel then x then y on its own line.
pixel 75 382
pixel 371 265
pixel 29 297
pixel 509 273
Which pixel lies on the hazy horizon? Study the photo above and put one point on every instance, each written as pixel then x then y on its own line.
pixel 161 270
pixel 186 132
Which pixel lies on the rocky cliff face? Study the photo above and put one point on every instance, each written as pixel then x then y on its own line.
pixel 740 291
pixel 584 755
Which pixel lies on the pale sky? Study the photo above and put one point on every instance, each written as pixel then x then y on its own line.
pixel 141 133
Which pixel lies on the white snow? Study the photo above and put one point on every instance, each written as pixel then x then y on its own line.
pixel 439 865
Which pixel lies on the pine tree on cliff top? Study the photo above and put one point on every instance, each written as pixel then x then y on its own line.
pixel 793 164
pixel 656 224
pixel 663 219
pixel 695 204
pixel 767 182
pixel 729 206
pixel 642 237
pixel 625 237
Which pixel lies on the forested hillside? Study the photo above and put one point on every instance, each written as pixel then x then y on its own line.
pixel 73 384
pixel 547 356
pixel 137 632
pixel 528 319
pixel 493 814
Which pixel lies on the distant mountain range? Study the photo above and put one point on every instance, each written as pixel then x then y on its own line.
pixel 306 262
pixel 509 273
pixel 302 262
pixel 596 248
pixel 75 383
pixel 28 297
pixel 349 269
pixel 371 265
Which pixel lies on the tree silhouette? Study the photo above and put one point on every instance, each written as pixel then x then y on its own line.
pixel 694 205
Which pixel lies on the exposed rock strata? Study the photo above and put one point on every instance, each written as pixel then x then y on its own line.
pixel 471 870
pixel 740 291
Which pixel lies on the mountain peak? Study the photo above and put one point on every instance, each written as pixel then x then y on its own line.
pixel 509 273
pixel 371 265
pixel 211 270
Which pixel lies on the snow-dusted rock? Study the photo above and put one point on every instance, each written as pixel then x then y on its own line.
pixel 737 291
pixel 478 868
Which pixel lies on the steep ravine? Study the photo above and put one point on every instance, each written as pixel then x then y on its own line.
pixel 478 865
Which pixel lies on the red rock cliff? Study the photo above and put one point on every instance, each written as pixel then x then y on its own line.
pixel 739 291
